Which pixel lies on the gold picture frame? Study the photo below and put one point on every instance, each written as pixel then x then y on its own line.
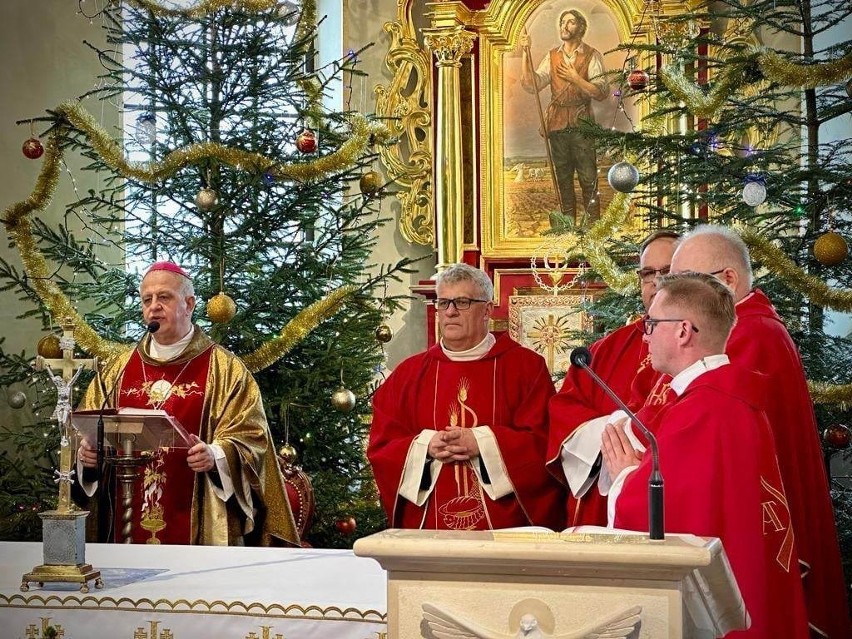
pixel 515 212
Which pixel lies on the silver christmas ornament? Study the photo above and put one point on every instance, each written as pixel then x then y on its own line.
pixel 754 193
pixel 17 400
pixel 623 177
pixel 146 129
pixel 290 12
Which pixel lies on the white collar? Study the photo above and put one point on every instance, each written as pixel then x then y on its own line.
pixel 684 378
pixel 165 352
pixel 477 352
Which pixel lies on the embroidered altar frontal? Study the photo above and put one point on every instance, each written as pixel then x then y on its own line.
pixel 184 592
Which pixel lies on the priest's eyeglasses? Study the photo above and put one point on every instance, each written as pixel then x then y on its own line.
pixel 648 275
pixel 648 324
pixel 461 303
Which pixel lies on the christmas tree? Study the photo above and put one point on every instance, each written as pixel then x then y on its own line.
pixel 236 170
pixel 741 106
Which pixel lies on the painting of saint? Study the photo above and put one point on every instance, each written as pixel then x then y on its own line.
pixel 559 75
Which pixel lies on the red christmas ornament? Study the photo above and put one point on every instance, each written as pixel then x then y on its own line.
pixel 306 141
pixel 345 525
pixel 837 436
pixel 33 149
pixel 638 80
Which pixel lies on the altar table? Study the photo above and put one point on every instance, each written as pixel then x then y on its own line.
pixel 186 592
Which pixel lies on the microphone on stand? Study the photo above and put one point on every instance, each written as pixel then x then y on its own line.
pixel 582 358
pixel 152 328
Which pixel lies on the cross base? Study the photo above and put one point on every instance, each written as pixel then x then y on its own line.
pixel 79 574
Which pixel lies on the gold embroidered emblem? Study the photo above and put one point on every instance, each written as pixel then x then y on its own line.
pixel 776 518
pixel 464 511
pixel 152 491
pixel 154 634
pixel 659 395
pixel 645 363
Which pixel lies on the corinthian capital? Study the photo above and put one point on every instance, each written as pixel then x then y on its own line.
pixel 449 44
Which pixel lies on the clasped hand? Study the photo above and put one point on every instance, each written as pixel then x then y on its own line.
pixel 618 453
pixel 453 445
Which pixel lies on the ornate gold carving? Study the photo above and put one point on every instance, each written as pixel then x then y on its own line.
pixel 406 106
pixel 449 45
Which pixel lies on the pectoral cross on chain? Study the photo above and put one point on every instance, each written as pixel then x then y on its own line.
pixel 70 369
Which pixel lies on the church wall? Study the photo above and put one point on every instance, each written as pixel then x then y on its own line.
pixel 363 23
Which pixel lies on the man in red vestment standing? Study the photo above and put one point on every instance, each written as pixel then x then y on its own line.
pixel 226 488
pixel 716 454
pixel 760 342
pixel 580 410
pixel 459 431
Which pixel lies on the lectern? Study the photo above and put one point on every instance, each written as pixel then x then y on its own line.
pixel 127 430
pixel 535 583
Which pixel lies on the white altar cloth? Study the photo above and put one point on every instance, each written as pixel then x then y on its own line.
pixel 184 592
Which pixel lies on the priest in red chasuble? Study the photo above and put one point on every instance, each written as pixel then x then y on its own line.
pixel 717 455
pixel 226 488
pixel 459 431
pixel 760 342
pixel 580 410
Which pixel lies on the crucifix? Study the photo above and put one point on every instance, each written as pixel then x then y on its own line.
pixel 64 529
pixel 70 369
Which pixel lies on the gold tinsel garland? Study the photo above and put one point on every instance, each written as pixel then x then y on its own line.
pixel 19 228
pixel 824 393
pixel 795 277
pixel 20 232
pixel 297 328
pixel 774 68
pixel 615 216
pixel 779 69
pixel 363 134
pixel 204 7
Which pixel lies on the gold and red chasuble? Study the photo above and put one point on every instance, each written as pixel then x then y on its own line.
pixel 162 497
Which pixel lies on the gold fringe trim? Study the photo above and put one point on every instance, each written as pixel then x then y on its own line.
pixel 298 328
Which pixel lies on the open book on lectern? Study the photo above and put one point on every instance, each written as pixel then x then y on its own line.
pixel 146 428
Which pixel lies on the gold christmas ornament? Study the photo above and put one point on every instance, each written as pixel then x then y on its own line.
pixel 288 454
pixel 830 249
pixel 384 334
pixel 221 308
pixel 206 199
pixel 343 400
pixel 48 347
pixel 370 183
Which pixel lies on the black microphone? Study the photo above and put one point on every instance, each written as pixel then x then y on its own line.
pixel 582 358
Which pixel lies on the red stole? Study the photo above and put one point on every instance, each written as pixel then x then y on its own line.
pixel 162 496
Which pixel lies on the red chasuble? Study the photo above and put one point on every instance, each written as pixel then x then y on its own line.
pixel 508 391
pixel 621 359
pixel 722 480
pixel 162 508
pixel 760 342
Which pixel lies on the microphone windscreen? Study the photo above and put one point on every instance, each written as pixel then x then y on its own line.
pixel 581 357
pixel 153 327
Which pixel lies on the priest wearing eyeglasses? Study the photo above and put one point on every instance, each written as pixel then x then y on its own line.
pixel 717 454
pixel 459 431
pixel 579 412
